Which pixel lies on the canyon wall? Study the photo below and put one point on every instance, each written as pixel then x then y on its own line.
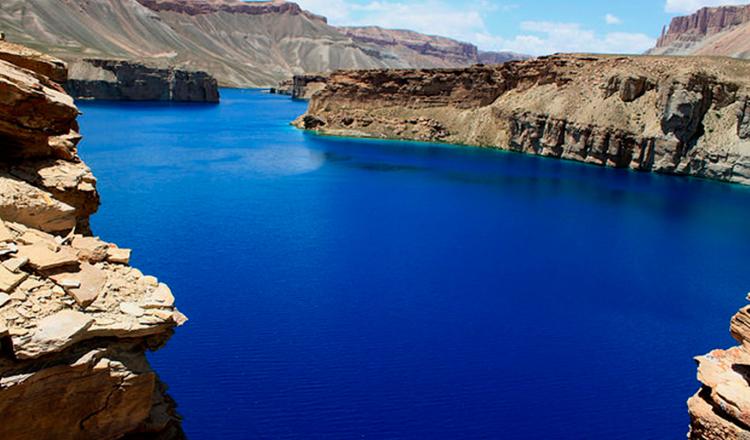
pixel 75 319
pixel 721 30
pixel 662 114
pixel 241 44
pixel 126 81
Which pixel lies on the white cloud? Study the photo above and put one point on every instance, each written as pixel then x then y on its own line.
pixel 466 23
pixel 690 6
pixel 545 37
pixel 612 19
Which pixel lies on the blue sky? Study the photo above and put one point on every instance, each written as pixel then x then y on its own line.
pixel 534 27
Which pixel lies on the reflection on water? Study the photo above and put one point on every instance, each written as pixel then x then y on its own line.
pixel 342 288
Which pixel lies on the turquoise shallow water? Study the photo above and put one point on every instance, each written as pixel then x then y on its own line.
pixel 354 289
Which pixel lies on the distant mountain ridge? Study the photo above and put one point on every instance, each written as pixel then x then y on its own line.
pixel 723 31
pixel 242 44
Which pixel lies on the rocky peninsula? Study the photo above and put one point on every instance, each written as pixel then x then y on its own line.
pixel 75 319
pixel 687 116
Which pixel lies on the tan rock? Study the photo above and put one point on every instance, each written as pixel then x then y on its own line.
pixel 118 255
pixel 90 249
pixel 43 258
pixel 54 333
pixel 132 309
pixel 161 296
pixel 4 299
pixel 9 279
pixel 5 234
pixel 102 394
pixel 15 264
pixel 85 285
pixel 151 280
pixel 23 203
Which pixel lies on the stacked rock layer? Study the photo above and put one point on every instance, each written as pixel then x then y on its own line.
pixel 663 114
pixel 75 319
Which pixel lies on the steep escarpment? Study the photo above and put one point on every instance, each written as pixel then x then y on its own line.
pixel 126 81
pixel 722 31
pixel 721 409
pixel 668 115
pixel 427 50
pixel 75 319
pixel 244 44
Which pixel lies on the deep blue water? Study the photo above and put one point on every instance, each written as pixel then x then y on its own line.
pixel 353 289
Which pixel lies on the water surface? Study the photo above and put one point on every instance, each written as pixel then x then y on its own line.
pixel 354 289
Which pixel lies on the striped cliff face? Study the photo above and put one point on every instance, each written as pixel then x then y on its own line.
pixel 710 31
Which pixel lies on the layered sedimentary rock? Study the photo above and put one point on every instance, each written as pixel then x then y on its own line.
pixel 242 44
pixel 721 409
pixel 75 319
pixel 661 114
pixel 722 30
pixel 301 86
pixel 127 81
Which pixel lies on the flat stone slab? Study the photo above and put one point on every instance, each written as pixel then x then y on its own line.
pixel 4 299
pixel 53 334
pixel 85 285
pixel 9 279
pixel 118 255
pixel 91 249
pixel 41 257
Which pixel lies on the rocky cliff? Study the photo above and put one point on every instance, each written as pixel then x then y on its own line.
pixel 127 81
pixel 242 44
pixel 710 31
pixel 75 318
pixel 721 409
pixel 663 114
pixel 301 86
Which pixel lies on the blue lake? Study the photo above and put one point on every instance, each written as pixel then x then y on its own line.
pixel 355 289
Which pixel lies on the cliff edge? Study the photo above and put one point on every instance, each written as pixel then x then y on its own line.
pixel 129 81
pixel 688 116
pixel 723 30
pixel 721 409
pixel 75 319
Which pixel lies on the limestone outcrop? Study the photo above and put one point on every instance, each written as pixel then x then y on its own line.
pixel 128 81
pixel 660 114
pixel 75 319
pixel 723 30
pixel 721 409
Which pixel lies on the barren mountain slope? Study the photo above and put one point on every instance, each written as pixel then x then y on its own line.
pixel 241 44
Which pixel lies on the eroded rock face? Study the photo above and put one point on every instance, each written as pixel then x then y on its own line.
pixel 720 30
pixel 721 409
pixel 130 81
pixel 75 319
pixel 668 115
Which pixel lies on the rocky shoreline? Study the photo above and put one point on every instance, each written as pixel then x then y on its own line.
pixel 686 116
pixel 668 115
pixel 75 319
pixel 130 81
